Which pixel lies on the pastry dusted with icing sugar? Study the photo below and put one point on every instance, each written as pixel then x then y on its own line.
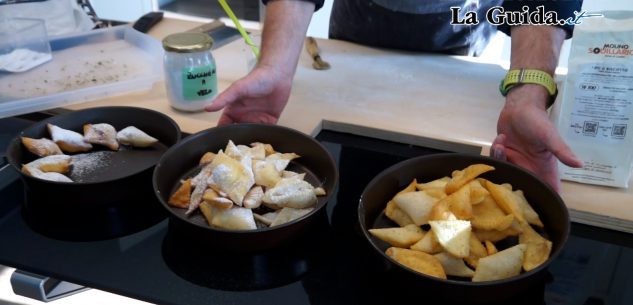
pixel 102 134
pixel 55 163
pixel 291 193
pixel 135 137
pixel 233 177
pixel 33 171
pixel 42 147
pixel 234 218
pixel 49 168
pixel 68 140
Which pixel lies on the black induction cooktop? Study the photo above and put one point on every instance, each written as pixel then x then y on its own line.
pixel 331 265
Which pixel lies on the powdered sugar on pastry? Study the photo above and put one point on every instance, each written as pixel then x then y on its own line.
pixel 68 140
pixel 133 136
pixel 42 147
pixel 54 163
pixel 102 133
pixel 52 176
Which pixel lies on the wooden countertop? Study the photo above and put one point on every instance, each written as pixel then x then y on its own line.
pixel 438 101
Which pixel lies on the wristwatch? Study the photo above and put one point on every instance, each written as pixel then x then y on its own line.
pixel 529 76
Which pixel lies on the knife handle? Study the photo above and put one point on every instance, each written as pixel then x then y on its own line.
pixel 147 21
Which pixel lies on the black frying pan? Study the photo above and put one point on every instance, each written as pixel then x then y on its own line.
pixel 545 201
pixel 181 162
pixel 111 198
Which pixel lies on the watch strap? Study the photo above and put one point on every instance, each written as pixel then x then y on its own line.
pixel 517 77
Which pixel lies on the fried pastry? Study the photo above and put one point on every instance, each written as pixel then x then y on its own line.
pixel 235 218
pixel 267 218
pixel 266 174
pixel 289 214
pixel 55 163
pixel 233 177
pixel 292 193
pixel 102 134
pixel 135 137
pixel 180 198
pixel 253 199
pixel 50 176
pixel 68 140
pixel 42 147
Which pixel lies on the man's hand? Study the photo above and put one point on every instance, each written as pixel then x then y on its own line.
pixel 260 97
pixel 526 136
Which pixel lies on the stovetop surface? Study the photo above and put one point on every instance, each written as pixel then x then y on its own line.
pixel 331 265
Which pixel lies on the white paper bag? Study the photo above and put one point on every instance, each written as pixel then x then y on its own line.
pixel 596 114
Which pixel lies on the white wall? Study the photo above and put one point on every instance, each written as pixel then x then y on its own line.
pixel 123 10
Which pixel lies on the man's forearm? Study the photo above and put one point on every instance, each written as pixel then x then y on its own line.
pixel 284 31
pixel 535 47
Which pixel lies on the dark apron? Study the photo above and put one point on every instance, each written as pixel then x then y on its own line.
pixel 414 25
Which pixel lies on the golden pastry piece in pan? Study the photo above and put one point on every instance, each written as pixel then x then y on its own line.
pixel 266 174
pixel 453 235
pixel 428 244
pixel 528 212
pixel 460 178
pixel 489 216
pixel 102 134
pixel 538 248
pixel 402 237
pixel 289 214
pixel 253 199
pixel 42 147
pixel 268 149
pixel 266 218
pixel 393 212
pixel 68 140
pixel 501 265
pixel 181 197
pixel 477 251
pixel 477 192
pixel 135 137
pixel 506 200
pixel 207 158
pixel 453 265
pixel 418 261
pixel 417 205
pixel 235 218
pixel 496 235
pixel 490 247
pixel 50 176
pixel 435 184
pixel 54 163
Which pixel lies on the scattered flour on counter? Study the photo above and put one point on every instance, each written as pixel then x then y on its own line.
pixel 85 165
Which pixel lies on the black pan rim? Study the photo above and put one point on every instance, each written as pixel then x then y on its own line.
pixel 201 133
pixel 18 143
pixel 492 161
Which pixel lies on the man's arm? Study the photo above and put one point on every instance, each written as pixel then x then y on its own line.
pixel 526 136
pixel 285 28
pixel 261 96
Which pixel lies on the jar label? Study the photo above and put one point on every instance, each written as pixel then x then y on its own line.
pixel 199 82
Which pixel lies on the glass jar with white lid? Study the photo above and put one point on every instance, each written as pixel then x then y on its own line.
pixel 190 74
